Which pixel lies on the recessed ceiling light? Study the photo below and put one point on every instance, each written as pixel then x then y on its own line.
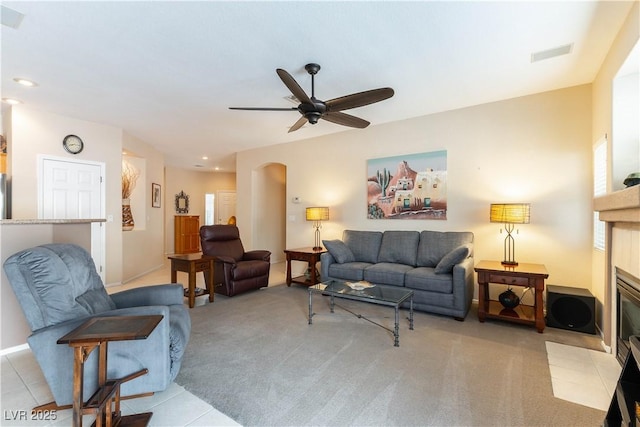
pixel 25 82
pixel 216 168
pixel 205 158
pixel 11 101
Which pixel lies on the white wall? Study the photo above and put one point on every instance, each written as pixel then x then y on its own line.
pixel 35 132
pixel 534 149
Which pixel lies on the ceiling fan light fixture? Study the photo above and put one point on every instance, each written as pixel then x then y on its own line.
pixel 313 109
pixel 313 117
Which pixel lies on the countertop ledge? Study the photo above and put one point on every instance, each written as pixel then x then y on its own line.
pixel 49 221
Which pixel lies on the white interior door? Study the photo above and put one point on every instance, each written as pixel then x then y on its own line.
pixel 226 206
pixel 74 190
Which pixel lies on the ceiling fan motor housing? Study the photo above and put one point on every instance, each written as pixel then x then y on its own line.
pixel 312 112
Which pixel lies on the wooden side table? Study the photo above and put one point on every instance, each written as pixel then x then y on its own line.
pixel 312 257
pixel 96 333
pixel 524 275
pixel 193 263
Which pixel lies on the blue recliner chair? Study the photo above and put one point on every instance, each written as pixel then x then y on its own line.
pixel 58 288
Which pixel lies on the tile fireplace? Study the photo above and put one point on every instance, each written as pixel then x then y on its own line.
pixel 628 311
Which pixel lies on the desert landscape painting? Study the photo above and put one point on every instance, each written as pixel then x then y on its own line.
pixel 412 186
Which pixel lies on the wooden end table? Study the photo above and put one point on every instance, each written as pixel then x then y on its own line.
pixel 96 333
pixel 192 264
pixel 524 275
pixel 312 257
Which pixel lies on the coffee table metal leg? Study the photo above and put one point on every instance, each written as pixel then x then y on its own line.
pixel 411 313
pixel 331 303
pixel 310 306
pixel 396 331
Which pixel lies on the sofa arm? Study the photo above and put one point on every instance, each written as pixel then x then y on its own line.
pixel 124 357
pixel 463 284
pixel 326 259
pixel 168 294
pixel 259 255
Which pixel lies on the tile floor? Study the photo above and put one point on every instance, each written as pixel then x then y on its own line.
pixel 23 385
pixel 582 376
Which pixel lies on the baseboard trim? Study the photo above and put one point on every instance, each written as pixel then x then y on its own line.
pixel 15 349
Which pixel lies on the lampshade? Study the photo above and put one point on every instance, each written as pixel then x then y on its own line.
pixel 510 213
pixel 317 214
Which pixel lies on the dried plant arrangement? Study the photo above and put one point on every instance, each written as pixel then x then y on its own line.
pixel 130 176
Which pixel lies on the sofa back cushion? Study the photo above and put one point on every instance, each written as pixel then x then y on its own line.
pixel 55 283
pixel 400 247
pixel 339 251
pixel 221 240
pixel 434 245
pixel 365 245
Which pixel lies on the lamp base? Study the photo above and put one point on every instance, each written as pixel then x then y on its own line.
pixel 317 248
pixel 509 263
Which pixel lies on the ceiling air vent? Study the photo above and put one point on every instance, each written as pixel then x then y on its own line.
pixel 11 18
pixel 551 53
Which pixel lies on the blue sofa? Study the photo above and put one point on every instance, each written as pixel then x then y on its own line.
pixel 437 266
pixel 58 289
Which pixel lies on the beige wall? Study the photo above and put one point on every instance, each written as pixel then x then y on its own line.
pixel 143 247
pixel 534 149
pixel 35 132
pixel 195 184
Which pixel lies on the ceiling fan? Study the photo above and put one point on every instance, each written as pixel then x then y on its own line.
pixel 313 109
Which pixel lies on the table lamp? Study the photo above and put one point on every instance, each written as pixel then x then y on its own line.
pixel 317 215
pixel 510 214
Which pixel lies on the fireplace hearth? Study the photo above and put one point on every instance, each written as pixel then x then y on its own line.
pixel 628 311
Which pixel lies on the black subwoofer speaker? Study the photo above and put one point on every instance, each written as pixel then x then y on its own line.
pixel 571 308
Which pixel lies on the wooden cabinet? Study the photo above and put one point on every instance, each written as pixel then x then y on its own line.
pixel 187 234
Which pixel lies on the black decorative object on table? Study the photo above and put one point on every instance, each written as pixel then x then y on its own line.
pixel 509 299
pixel 632 179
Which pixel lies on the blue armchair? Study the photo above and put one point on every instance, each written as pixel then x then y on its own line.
pixel 58 288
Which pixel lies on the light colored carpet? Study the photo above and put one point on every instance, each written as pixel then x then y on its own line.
pixel 255 358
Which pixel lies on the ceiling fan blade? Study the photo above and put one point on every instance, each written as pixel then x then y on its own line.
pixel 359 99
pixel 263 108
pixel 297 125
pixel 293 86
pixel 345 120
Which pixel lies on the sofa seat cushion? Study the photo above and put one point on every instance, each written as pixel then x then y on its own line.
pixel 364 245
pixel 386 273
pixel 250 269
pixel 348 270
pixel 426 279
pixel 399 247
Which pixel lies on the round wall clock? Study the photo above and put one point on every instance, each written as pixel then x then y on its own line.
pixel 73 144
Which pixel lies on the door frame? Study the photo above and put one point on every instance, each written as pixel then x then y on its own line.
pixel 98 232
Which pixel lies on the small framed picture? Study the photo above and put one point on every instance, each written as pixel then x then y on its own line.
pixel 155 195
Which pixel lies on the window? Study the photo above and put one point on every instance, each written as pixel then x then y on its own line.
pixel 209 209
pixel 599 188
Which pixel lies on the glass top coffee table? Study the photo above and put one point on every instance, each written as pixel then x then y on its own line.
pixel 365 292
